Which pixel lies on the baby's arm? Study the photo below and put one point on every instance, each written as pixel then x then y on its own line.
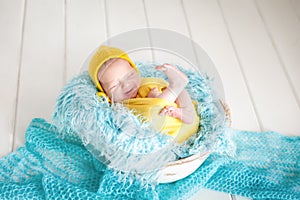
pixel 177 82
pixel 175 92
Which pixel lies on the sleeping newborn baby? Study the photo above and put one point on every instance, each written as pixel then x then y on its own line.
pixel 168 106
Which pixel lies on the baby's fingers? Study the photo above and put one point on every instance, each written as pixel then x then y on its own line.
pixel 153 93
pixel 161 68
pixel 163 112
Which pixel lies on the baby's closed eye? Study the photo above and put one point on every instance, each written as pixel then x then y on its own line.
pixel 114 86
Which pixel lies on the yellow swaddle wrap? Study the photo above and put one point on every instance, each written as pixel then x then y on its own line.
pixel 150 108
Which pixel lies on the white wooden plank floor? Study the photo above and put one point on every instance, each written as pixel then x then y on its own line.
pixel 255 45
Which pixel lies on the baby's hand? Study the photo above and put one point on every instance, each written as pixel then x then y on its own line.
pixel 154 93
pixel 172 112
pixel 173 74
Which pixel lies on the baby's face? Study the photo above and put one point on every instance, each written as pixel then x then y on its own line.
pixel 119 80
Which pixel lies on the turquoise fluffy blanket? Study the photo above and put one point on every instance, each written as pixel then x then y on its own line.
pixel 84 153
pixel 129 146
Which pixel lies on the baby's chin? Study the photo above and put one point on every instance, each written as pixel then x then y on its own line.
pixel 135 92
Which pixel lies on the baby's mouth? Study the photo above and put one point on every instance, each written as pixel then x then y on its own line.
pixel 128 92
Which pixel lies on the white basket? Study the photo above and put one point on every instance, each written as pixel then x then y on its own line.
pixel 178 169
pixel 182 168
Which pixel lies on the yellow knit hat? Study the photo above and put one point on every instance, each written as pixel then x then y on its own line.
pixel 103 54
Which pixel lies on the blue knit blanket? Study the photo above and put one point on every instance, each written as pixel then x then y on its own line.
pixel 266 166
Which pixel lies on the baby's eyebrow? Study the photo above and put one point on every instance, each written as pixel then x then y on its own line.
pixel 108 82
pixel 125 76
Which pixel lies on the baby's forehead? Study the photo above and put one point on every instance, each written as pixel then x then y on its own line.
pixel 113 68
pixel 108 62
